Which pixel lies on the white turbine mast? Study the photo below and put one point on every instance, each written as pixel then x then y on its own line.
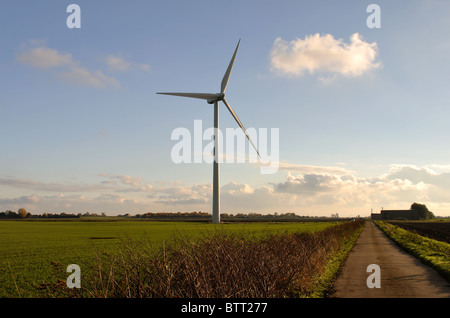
pixel 214 99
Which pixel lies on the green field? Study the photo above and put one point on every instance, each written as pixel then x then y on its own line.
pixel 28 248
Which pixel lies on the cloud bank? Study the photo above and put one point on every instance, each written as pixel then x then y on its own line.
pixel 305 190
pixel 323 54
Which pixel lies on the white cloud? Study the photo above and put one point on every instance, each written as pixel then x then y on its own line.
pixel 181 195
pixel 21 200
pixel 143 67
pixel 43 57
pixel 416 175
pixel 66 68
pixel 308 183
pixel 118 64
pixel 324 54
pixel 233 188
pixel 299 168
pixel 49 187
pixel 82 76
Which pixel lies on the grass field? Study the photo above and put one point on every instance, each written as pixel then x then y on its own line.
pixel 28 248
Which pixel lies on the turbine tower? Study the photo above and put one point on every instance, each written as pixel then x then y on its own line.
pixel 215 99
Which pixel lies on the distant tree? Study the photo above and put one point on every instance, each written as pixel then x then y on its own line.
pixel 22 213
pixel 11 214
pixel 422 210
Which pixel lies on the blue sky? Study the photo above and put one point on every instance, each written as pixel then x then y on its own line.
pixel 363 123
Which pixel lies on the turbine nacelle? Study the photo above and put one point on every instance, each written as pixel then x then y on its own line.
pixel 220 96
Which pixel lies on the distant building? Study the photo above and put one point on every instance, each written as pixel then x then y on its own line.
pixel 376 216
pixel 396 215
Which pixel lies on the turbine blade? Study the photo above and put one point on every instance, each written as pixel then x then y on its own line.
pixel 206 96
pixel 240 124
pixel 226 77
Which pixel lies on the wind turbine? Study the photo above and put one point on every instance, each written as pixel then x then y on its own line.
pixel 215 99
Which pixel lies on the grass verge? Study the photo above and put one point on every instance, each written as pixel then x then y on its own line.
pixel 432 252
pixel 324 285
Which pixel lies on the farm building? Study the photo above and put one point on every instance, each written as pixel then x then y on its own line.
pixel 396 215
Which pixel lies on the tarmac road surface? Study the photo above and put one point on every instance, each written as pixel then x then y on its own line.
pixel 401 274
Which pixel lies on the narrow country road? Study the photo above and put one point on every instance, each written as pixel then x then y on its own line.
pixel 401 274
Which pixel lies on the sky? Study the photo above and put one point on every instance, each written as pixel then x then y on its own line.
pixel 354 103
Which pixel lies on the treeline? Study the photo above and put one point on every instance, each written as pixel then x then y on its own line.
pixel 170 215
pixel 195 216
pixel 23 214
pixel 225 216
